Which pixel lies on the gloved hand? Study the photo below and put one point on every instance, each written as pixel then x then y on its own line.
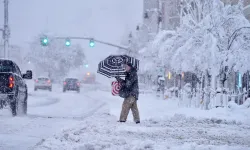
pixel 118 79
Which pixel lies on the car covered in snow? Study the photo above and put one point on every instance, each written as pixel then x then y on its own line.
pixel 71 84
pixel 43 83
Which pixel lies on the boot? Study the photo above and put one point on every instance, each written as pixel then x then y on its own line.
pixel 121 121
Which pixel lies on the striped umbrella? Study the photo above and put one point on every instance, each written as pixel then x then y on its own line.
pixel 113 65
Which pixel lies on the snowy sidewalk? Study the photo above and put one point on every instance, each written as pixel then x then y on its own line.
pixel 103 132
pixel 164 126
pixel 152 107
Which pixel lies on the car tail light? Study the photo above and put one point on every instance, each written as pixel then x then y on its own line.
pixel 36 80
pixel 64 83
pixel 49 81
pixel 78 83
pixel 11 82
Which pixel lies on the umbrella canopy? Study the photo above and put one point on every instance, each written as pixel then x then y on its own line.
pixel 113 65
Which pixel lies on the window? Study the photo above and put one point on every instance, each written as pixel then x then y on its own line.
pixel 246 2
pixel 18 71
pixel 146 15
pixel 71 80
pixel 7 66
pixel 43 79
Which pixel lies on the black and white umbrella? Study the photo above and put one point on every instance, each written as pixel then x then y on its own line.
pixel 113 65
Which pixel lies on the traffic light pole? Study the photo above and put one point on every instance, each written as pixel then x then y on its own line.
pixel 99 41
pixel 5 30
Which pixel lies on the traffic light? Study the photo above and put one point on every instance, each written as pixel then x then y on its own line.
pixel 91 43
pixel 44 41
pixel 86 65
pixel 67 42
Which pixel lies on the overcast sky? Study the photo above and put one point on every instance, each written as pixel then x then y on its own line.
pixel 103 19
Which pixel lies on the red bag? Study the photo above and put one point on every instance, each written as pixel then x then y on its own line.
pixel 116 86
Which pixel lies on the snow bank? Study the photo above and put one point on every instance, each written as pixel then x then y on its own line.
pixel 163 126
pixel 101 132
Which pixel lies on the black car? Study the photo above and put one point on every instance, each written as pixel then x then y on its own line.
pixel 71 84
pixel 13 89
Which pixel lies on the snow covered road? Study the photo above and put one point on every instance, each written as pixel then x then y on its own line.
pixel 48 112
pixel 88 121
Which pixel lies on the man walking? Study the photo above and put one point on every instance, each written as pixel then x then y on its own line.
pixel 130 92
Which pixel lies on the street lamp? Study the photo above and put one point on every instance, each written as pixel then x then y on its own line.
pixel 169 75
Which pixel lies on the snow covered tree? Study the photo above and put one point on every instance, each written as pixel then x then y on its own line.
pixel 211 36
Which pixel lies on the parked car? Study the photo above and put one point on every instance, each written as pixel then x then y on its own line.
pixel 13 88
pixel 43 83
pixel 71 84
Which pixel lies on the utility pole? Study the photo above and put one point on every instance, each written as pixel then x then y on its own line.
pixel 6 32
pixel 158 15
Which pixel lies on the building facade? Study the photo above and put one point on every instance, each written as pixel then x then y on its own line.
pixel 247 9
pixel 246 4
pixel 170 14
pixel 151 14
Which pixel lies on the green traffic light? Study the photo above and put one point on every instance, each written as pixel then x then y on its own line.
pixel 91 43
pixel 67 43
pixel 44 41
pixel 86 65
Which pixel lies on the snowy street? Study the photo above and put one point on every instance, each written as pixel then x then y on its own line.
pixel 125 75
pixel 88 120
pixel 47 114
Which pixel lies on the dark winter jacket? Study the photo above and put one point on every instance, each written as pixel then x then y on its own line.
pixel 129 86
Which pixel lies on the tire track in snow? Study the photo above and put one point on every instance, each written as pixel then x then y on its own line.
pixel 49 101
pixel 81 117
pixel 42 122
